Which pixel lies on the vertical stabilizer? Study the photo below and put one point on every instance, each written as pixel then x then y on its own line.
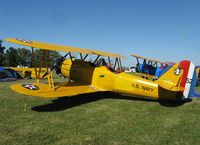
pixel 181 78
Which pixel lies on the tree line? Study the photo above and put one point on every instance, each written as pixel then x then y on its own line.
pixel 13 57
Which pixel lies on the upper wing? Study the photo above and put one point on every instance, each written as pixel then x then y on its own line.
pixel 153 60
pixel 53 47
pixel 61 89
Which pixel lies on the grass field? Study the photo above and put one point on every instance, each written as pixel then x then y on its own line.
pixel 104 119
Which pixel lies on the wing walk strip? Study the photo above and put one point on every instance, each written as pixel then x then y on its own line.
pixel 94 88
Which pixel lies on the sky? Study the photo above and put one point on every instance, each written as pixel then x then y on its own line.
pixel 167 30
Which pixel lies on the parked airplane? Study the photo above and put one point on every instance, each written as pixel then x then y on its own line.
pixel 99 75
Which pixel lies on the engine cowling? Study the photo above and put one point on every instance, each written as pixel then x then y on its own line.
pixel 66 67
pixel 78 70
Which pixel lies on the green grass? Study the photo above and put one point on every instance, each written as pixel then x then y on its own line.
pixel 95 119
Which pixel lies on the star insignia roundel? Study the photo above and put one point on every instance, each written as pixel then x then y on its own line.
pixel 30 86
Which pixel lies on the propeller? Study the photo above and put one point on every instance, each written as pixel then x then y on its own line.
pixel 57 65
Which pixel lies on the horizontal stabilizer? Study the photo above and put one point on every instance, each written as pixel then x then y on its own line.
pixel 171 87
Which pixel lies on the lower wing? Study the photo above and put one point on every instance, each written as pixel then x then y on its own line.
pixel 61 89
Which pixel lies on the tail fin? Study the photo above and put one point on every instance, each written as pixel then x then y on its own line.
pixel 180 77
pixel 189 79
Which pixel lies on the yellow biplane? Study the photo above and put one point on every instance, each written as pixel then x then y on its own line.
pixel 100 74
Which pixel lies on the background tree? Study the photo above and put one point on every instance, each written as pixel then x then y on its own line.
pixel 11 57
pixel 23 57
pixel 2 57
pixel 53 56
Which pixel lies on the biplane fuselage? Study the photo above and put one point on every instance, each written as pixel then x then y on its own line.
pixel 104 79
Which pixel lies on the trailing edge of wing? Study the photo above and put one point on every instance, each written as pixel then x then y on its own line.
pixel 54 47
pixel 61 89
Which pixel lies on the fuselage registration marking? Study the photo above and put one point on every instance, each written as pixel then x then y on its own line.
pixel 145 88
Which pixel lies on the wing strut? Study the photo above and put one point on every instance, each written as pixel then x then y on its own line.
pixel 85 56
pixel 70 55
pixel 44 59
pixel 34 63
pixel 109 61
pixel 97 58
pixel 81 56
pixel 51 81
pixel 120 64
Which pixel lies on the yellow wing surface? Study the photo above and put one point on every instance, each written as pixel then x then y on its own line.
pixel 54 47
pixel 61 89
